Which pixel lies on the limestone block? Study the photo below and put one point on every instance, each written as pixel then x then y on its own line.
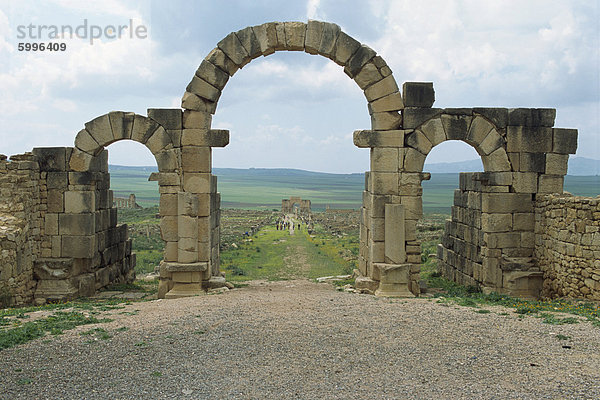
pixel 369 138
pixel 391 102
pixel 171 251
pixel 382 88
pixel 389 120
pixel 417 140
pixel 502 240
pixel 525 182
pixel 248 39
pixel 456 126
pixel 418 94
pixel 266 34
pixel 479 130
pixel 187 228
pixel 395 251
pixel 367 76
pixel 413 160
pixel 78 246
pixel 187 204
pixel 233 48
pixel 219 59
pixel 524 284
pixel 204 251
pixel 328 40
pixel 384 159
pixel 85 142
pixel 175 135
pixel 413 207
pixel 168 229
pixel 195 182
pixel 168 204
pixel 202 137
pixel 100 129
pixel 57 180
pixel 295 32
pixel 167 161
pixel 496 222
pixel 377 204
pixel 196 159
pixel 99 163
pixel 203 89
pixel 524 221
pixel 196 119
pixel 506 202
pixel 498 116
pixel 413 116
pixel 160 140
pixel 531 117
pixel 51 158
pixel 434 131
pixel 345 47
pixel 190 101
pixel 550 184
pixel 281 39
pixel 79 202
pixel 529 139
pixel 76 224
pixel 168 118
pixel 394 280
pixel 532 162
pixel 377 229
pixel 384 183
pixel 377 252
pixel 143 128
pixel 314 35
pixel 565 141
pixel 203 229
pixel 496 162
pixel 556 164
pixel 491 143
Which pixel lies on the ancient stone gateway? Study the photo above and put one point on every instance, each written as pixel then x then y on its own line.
pixel 287 205
pixel 72 242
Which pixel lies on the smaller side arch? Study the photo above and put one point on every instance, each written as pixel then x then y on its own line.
pixel 118 125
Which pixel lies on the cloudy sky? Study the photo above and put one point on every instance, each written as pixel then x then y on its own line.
pixel 294 110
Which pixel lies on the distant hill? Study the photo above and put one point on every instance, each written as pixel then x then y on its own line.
pixel 580 166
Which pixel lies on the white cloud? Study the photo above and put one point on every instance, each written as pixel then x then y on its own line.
pixel 312 9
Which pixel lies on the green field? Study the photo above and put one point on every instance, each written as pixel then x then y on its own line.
pixel 264 188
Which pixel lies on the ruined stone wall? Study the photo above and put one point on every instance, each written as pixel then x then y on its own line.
pixel 20 204
pixel 567 245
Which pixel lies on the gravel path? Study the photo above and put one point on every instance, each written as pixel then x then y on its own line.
pixel 297 339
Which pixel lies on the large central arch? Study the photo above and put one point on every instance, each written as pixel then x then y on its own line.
pixel 359 62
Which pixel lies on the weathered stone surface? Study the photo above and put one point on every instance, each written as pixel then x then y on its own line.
pixel 491 143
pixel 394 280
pixel 190 101
pixel 167 160
pixel 531 117
pixel 100 129
pixel 85 142
pixel 203 89
pixel 434 131
pixel 233 48
pixel 478 131
pixel 550 184
pixel 314 35
pixel 196 159
pixel 389 120
pixel 78 246
pixel 196 182
pixel 413 160
pixel 556 164
pixel 384 87
pixel 295 33
pixel 391 102
pixel 395 251
pixel 266 34
pixel 532 162
pixel 384 182
pixel 196 119
pixel 565 141
pixel 281 38
pixel 417 140
pixel 413 117
pixel 529 139
pixel 506 202
pixel 143 128
pixel 212 74
pixel 498 116
pixel 345 47
pixel 384 159
pixel 525 182
pixel 496 161
pixel 248 39
pixel 77 224
pixel 121 124
pixel 222 61
pixel 51 158
pixel 369 138
pixel 456 126
pixel 356 62
pixel 203 137
pixel 418 94
pixel 367 76
pixel 328 39
pixel 160 140
pixel 79 202
pixel 496 222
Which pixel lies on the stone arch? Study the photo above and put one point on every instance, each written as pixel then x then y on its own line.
pixel 118 125
pixel 360 63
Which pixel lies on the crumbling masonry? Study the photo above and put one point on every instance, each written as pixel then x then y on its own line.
pixel 60 237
